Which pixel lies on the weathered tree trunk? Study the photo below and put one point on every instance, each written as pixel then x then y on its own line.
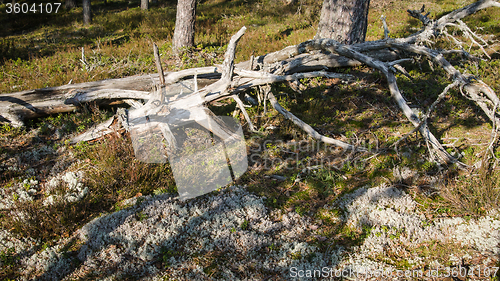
pixel 20 106
pixel 87 12
pixel 344 21
pixel 144 4
pixel 69 4
pixel 184 24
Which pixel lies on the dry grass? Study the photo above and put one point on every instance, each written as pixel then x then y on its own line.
pixel 112 175
pixel 474 195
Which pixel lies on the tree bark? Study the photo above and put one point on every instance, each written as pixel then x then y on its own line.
pixel 144 4
pixel 184 24
pixel 344 21
pixel 69 4
pixel 87 12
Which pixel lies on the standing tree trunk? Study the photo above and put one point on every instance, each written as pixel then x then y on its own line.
pixel 344 20
pixel 144 4
pixel 87 12
pixel 69 4
pixel 184 24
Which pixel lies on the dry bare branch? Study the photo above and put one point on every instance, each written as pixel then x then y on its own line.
pixel 241 106
pixel 307 128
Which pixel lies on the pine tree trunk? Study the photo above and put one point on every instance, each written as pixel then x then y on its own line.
pixel 69 4
pixel 184 24
pixel 344 20
pixel 87 12
pixel 144 4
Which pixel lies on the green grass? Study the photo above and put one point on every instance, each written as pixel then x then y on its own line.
pixel 118 43
pixel 119 40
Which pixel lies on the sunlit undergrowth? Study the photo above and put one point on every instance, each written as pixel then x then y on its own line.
pixel 112 174
pixel 118 44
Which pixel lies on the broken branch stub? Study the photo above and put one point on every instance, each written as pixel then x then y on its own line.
pixel 158 64
pixel 180 101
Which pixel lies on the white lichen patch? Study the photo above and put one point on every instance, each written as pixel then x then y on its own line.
pixel 73 188
pixel 234 222
pixel 21 191
pixel 10 245
pixel 234 235
pixel 398 226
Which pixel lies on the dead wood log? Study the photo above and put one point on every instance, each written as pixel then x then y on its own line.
pixel 182 100
pixel 20 106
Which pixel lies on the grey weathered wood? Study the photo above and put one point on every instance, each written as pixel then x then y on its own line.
pixel 220 87
pixel 158 64
pixel 184 24
pixel 19 106
pixel 306 127
pixel 244 111
pixel 41 102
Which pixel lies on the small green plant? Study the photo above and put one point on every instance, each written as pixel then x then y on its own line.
pixel 296 256
pixel 244 225
pixel 272 247
pixel 385 228
pixel 160 191
pixel 429 166
pixel 300 210
pixel 44 246
pixel 8 257
pixel 141 216
pixel 6 128
pixel 139 200
pixel 366 231
pixel 166 254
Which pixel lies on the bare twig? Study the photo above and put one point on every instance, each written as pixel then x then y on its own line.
pixel 427 115
pixel 418 14
pixel 494 137
pixel 386 29
pixel 244 111
pixel 307 128
pixel 158 64
pixel 84 60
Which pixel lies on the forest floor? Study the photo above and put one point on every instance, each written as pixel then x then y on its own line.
pixel 302 210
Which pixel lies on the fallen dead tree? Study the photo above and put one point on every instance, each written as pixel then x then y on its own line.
pixel 185 94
